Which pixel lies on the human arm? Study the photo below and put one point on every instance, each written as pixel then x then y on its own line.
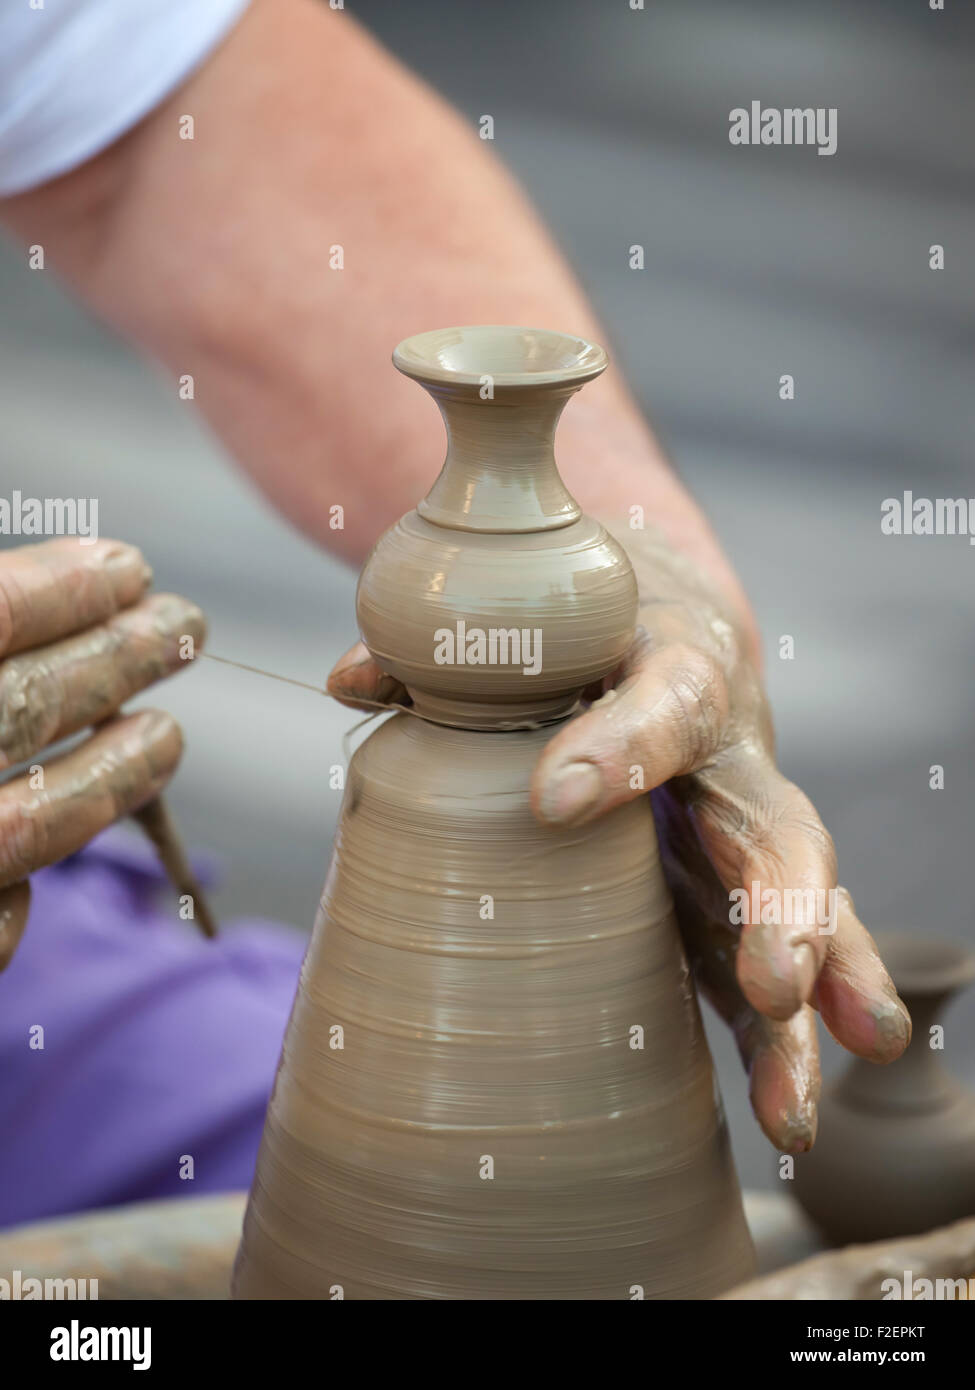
pixel 213 254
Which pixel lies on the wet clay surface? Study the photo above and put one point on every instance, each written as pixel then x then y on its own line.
pixel 573 587
pixel 495 1083
pixel 510 1038
pixel 498 544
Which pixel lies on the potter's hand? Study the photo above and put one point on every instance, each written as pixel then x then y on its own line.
pixel 687 715
pixel 77 639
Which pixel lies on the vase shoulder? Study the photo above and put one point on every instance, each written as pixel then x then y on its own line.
pixel 485 629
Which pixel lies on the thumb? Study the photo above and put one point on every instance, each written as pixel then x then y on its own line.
pixel 357 680
pixel 667 717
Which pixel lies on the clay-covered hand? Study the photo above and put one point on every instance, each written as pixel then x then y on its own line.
pixel 78 637
pixel 686 718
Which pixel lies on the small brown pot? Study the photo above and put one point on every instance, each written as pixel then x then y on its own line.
pixel 895 1152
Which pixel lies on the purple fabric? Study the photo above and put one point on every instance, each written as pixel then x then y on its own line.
pixel 157 1043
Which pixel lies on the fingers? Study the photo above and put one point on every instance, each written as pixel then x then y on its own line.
pixel 665 718
pixel 800 938
pixel 51 692
pixel 855 994
pixel 357 681
pixel 776 861
pixel 50 590
pixel 781 1057
pixel 128 761
pixel 782 1061
pixel 14 907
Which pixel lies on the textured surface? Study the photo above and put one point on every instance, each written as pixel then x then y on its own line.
pixel 498 546
pixel 758 262
pixel 501 1099
pixel 185 1248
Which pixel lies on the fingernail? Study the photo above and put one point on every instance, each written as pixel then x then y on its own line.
pixel 797 1129
pixel 892 1028
pixel 177 617
pixel 572 793
pixel 800 1141
pixel 126 569
pixel 162 740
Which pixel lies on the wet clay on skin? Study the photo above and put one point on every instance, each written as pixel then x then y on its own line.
pixel 495 1082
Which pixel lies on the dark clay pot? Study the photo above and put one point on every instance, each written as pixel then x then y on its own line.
pixel 895 1151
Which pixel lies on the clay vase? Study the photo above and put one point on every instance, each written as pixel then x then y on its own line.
pixel 494 1083
pixel 895 1151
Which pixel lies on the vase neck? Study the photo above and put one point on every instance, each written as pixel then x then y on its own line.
pixel 500 474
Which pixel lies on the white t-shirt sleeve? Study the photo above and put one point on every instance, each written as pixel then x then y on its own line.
pixel 77 74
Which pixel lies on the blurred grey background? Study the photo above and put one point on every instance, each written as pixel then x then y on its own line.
pixel 759 261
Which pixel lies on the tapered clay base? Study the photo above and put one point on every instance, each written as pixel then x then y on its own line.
pixel 495 1083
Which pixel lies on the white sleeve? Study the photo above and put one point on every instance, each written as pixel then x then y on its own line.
pixel 77 74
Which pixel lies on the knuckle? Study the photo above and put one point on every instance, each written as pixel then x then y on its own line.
pixel 845 899
pixel 699 703
pixel 775 818
pixel 31 701
pixel 819 838
pixel 726 638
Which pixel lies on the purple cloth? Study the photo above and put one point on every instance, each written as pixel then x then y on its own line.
pixel 157 1043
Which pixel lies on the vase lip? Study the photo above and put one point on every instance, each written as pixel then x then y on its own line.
pixel 509 355
pixel 922 964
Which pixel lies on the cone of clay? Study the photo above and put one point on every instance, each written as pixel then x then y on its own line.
pixel 494 1083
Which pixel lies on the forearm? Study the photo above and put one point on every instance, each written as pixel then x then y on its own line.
pixel 213 254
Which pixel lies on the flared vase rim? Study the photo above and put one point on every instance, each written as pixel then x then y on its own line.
pixel 506 354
